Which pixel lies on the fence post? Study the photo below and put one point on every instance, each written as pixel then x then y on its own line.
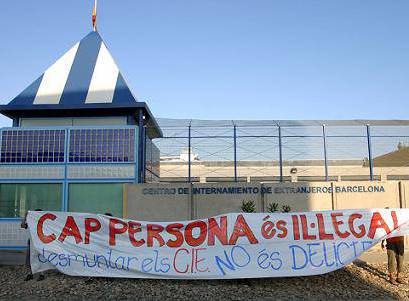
pixel 280 154
pixel 189 155
pixel 324 138
pixel 235 151
pixel 368 136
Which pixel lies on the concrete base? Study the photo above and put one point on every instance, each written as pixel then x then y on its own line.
pixel 12 257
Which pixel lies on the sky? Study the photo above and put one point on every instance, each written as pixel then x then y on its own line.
pixel 227 59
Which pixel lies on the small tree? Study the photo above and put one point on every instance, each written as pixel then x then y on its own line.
pixel 248 206
pixel 272 207
pixel 286 208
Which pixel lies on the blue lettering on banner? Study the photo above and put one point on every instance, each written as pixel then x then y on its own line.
pixel 239 258
pixel 108 260
pixel 272 260
pixel 308 255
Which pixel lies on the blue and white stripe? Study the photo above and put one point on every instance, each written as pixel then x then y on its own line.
pixel 85 74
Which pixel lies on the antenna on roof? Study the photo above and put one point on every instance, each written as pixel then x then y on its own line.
pixel 94 15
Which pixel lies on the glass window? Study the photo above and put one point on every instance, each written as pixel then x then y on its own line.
pixel 96 198
pixel 107 145
pixel 21 146
pixel 17 199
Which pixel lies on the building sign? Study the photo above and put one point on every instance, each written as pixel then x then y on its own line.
pixel 282 189
pixel 221 247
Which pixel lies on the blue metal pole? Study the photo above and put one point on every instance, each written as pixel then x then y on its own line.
pixel 144 156
pixel 1 142
pixel 280 153
pixel 324 139
pixel 189 155
pixel 136 152
pixel 368 136
pixel 235 151
pixel 140 147
pixel 65 187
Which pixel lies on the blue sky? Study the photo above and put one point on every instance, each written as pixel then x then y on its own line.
pixel 228 59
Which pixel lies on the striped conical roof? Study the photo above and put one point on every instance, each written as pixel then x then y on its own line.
pixel 86 74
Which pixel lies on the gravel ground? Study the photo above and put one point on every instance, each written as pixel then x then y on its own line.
pixel 357 281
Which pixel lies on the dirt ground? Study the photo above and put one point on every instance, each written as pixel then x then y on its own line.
pixel 358 281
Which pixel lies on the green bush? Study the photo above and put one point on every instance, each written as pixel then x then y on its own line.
pixel 286 208
pixel 272 207
pixel 248 206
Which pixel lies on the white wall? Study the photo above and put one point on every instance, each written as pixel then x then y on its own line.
pixel 78 121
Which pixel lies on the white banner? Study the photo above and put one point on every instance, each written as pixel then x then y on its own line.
pixel 236 245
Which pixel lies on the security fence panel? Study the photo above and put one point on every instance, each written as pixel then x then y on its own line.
pixel 302 153
pixel 173 146
pixel 348 153
pixel 257 153
pixel 212 153
pixel 390 152
pixel 283 150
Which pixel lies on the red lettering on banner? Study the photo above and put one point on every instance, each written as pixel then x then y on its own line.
pixel 40 233
pixel 267 230
pixel 336 223
pixel 154 231
pixel 377 222
pixel 174 229
pixel 133 228
pixel 282 226
pixel 91 225
pixel 395 220
pixel 70 229
pixel 304 225
pixel 241 228
pixel 175 259
pixel 113 231
pixel 197 260
pixel 191 259
pixel 217 231
pixel 296 227
pixel 190 240
pixel 361 227
pixel 321 228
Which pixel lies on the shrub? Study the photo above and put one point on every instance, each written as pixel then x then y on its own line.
pixel 286 208
pixel 248 206
pixel 272 207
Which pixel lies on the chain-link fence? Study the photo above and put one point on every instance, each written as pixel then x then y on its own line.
pixel 215 151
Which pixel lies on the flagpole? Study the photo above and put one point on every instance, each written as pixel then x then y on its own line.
pixel 94 15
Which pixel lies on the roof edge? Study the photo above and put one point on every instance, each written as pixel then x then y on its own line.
pixel 103 109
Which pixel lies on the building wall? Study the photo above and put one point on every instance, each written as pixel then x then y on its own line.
pixel 78 121
pixel 155 201
pixel 152 201
pixel 268 170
